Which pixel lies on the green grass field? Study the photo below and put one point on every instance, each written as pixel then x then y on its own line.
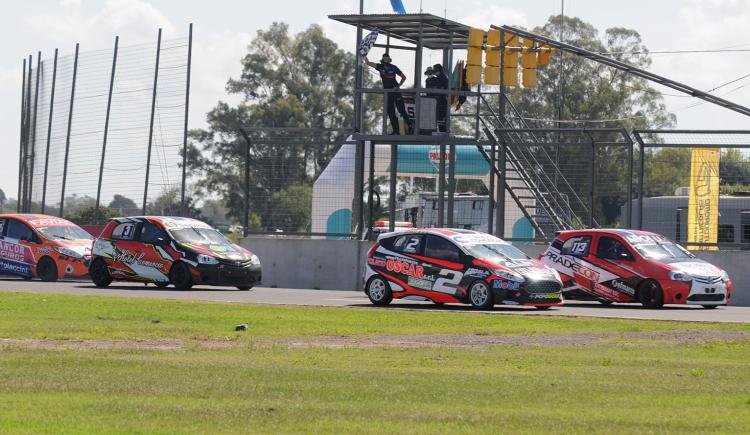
pixel 83 365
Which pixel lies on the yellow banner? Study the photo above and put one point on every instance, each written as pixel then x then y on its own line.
pixel 703 202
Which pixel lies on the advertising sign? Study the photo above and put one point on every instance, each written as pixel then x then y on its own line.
pixel 703 202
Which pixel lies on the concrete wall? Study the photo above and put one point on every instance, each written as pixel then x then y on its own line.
pixel 339 264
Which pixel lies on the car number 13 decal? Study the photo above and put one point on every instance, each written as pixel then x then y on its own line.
pixel 448 282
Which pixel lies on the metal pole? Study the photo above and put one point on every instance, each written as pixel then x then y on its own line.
pixel 49 133
pixel 418 84
pixel 183 210
pixel 441 188
pixel 392 188
pixel 449 70
pixel 67 139
pixel 642 156
pixel 629 204
pixel 592 176
pixel 33 131
pixel 24 200
pixel 358 78
pixel 451 182
pixel 491 196
pixel 97 214
pixel 500 225
pixel 246 217
pixel 151 125
pixel 23 125
pixel 359 187
pixel 371 190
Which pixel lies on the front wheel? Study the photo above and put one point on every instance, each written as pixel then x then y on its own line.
pixel 710 307
pixel 480 296
pixel 244 287
pixel 161 284
pixel 47 270
pixel 651 295
pixel 543 307
pixel 100 273
pixel 180 276
pixel 379 291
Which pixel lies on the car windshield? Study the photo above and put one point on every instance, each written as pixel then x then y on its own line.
pixel 65 232
pixel 199 236
pixel 495 252
pixel 664 250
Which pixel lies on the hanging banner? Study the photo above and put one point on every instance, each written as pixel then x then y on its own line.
pixel 703 202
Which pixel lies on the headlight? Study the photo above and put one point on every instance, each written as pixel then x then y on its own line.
pixel 207 259
pixel 680 276
pixel 508 275
pixel 68 252
pixel 254 259
pixel 724 276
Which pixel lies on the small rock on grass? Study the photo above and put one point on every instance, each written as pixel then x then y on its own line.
pixel 241 327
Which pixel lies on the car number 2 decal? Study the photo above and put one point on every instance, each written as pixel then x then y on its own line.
pixel 448 282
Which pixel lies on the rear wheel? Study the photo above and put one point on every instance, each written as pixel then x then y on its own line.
pixel 379 291
pixel 244 287
pixel 543 307
pixel 480 295
pixel 605 302
pixel 100 273
pixel 651 295
pixel 161 284
pixel 47 269
pixel 710 307
pixel 180 276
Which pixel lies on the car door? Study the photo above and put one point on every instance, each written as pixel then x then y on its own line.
pixel 444 264
pixel 16 255
pixel 613 256
pixel 126 250
pixel 153 261
pixel 573 261
pixel 407 267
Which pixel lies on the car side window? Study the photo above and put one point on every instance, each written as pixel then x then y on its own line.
pixel 125 231
pixel 2 226
pixel 442 249
pixel 613 249
pixel 19 230
pixel 408 243
pixel 151 233
pixel 577 246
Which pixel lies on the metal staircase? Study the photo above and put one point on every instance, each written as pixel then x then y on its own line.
pixel 533 178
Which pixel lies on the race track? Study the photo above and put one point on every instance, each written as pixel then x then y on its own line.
pixel 332 298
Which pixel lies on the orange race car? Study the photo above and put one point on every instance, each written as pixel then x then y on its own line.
pixel 45 246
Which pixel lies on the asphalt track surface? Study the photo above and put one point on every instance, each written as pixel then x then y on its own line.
pixel 334 298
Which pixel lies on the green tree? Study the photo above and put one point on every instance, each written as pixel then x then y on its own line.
pixel 3 199
pixel 86 215
pixel 300 81
pixel 168 204
pixel 124 205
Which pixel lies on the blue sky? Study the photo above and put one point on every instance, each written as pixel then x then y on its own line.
pixel 223 29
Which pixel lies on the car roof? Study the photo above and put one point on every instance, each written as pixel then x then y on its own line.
pixel 453 234
pixel 616 231
pixel 165 221
pixel 34 218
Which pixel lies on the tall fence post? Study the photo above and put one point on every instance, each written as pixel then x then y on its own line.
pixel 500 215
pixel 629 204
pixel 491 196
pixel 97 212
pixel 371 188
pixel 642 157
pixel 27 130
pixel 67 139
pixel 441 188
pixel 592 183
pixel 183 210
pixel 23 124
pixel 151 124
pixel 246 214
pixel 49 133
pixel 359 187
pixel 33 132
pixel 392 188
pixel 451 182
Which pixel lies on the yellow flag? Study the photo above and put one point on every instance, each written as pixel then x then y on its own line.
pixel 703 202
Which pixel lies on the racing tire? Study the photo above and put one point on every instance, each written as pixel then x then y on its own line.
pixel 180 276
pixel 438 303
pixel 650 294
pixel 605 302
pixel 161 284
pixel 710 307
pixel 27 278
pixel 480 295
pixel 244 287
pixel 379 291
pixel 47 270
pixel 542 307
pixel 99 273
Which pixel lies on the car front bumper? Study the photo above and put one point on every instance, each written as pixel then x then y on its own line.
pixel 228 275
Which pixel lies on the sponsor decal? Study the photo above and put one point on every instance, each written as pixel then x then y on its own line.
pixel 636 239
pixel 127 257
pixel 15 252
pixel 606 291
pixel 544 296
pixel 478 273
pixel 420 283
pixel 15 268
pixel 621 286
pixel 477 239
pixel 45 250
pixel 69 269
pixel 405 267
pixel 377 262
pixel 506 285
pixel 51 222
pixel 576 267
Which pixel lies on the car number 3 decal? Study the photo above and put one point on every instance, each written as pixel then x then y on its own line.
pixel 448 282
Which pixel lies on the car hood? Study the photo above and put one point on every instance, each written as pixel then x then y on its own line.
pixel 221 251
pixel 693 266
pixel 79 246
pixel 531 269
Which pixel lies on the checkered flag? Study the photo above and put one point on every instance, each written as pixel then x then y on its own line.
pixel 368 42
